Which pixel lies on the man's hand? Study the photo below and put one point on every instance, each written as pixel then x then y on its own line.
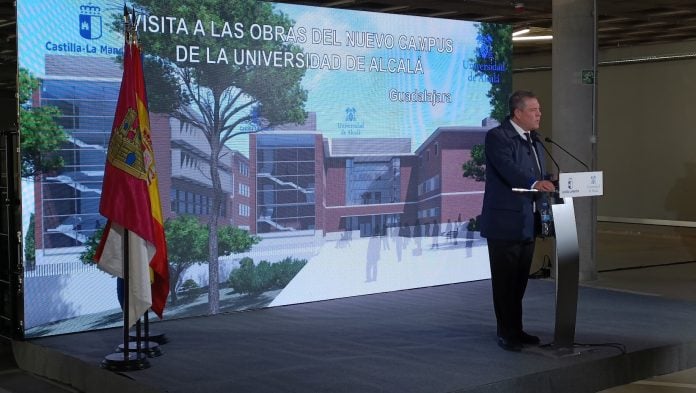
pixel 544 185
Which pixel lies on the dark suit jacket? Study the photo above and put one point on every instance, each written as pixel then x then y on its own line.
pixel 510 163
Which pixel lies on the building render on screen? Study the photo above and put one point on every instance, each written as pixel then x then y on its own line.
pixel 295 181
pixel 297 189
pixel 361 186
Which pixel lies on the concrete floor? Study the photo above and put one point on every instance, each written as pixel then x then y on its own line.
pixel 645 259
pixel 654 260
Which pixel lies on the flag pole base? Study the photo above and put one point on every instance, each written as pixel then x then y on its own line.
pixel 159 338
pixel 118 362
pixel 152 349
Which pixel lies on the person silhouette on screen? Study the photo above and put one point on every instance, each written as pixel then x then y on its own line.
pixel 405 233
pixel 449 232
pixel 385 237
pixel 372 259
pixel 435 234
pixel 398 240
pixel 417 233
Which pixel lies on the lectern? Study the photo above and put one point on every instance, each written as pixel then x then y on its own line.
pixel 567 266
pixel 567 261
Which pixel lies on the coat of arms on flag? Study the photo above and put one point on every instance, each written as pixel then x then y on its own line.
pixel 125 147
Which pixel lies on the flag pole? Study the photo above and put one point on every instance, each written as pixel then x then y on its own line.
pixel 126 360
pixel 156 337
pixel 151 342
pixel 126 294
pixel 153 338
pixel 150 345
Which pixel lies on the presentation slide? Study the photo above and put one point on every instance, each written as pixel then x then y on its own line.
pixel 333 153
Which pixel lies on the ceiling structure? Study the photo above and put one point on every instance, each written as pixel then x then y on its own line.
pixel 621 23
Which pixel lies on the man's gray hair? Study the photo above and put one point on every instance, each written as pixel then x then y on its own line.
pixel 517 100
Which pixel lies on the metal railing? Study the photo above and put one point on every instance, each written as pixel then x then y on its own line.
pixel 58 269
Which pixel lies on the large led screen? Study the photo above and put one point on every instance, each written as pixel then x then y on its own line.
pixel 334 153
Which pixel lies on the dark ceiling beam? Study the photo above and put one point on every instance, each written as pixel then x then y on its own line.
pixel 670 11
pixel 501 8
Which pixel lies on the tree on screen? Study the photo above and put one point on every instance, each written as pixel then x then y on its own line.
pixel 492 61
pixel 40 135
pixel 30 245
pixel 475 168
pixel 187 245
pixel 495 48
pixel 220 98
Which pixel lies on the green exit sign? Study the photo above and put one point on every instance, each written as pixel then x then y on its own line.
pixel 588 77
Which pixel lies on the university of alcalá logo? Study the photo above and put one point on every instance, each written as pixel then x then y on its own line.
pixel 485 48
pixel 351 114
pixel 350 124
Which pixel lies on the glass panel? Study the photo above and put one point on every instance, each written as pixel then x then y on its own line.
pixel 280 188
pixel 372 183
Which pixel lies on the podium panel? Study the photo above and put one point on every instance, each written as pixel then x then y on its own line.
pixel 567 273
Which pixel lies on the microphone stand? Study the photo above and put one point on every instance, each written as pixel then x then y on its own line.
pixel 555 194
pixel 549 140
pixel 535 137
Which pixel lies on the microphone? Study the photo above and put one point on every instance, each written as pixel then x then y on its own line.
pixel 535 138
pixel 549 140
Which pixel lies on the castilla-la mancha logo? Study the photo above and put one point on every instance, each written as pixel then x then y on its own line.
pixel 90 21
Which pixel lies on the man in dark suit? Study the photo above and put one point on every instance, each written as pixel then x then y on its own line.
pixel 508 217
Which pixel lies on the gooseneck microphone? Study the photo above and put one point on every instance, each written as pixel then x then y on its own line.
pixel 535 138
pixel 549 140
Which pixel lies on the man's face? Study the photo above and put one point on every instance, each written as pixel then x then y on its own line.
pixel 529 117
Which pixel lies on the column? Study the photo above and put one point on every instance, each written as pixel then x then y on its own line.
pixel 574 110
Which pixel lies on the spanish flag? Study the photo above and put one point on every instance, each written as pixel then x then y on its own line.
pixel 130 197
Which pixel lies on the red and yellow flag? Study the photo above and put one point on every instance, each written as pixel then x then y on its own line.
pixel 130 197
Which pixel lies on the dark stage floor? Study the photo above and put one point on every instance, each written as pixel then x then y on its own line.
pixel 434 340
